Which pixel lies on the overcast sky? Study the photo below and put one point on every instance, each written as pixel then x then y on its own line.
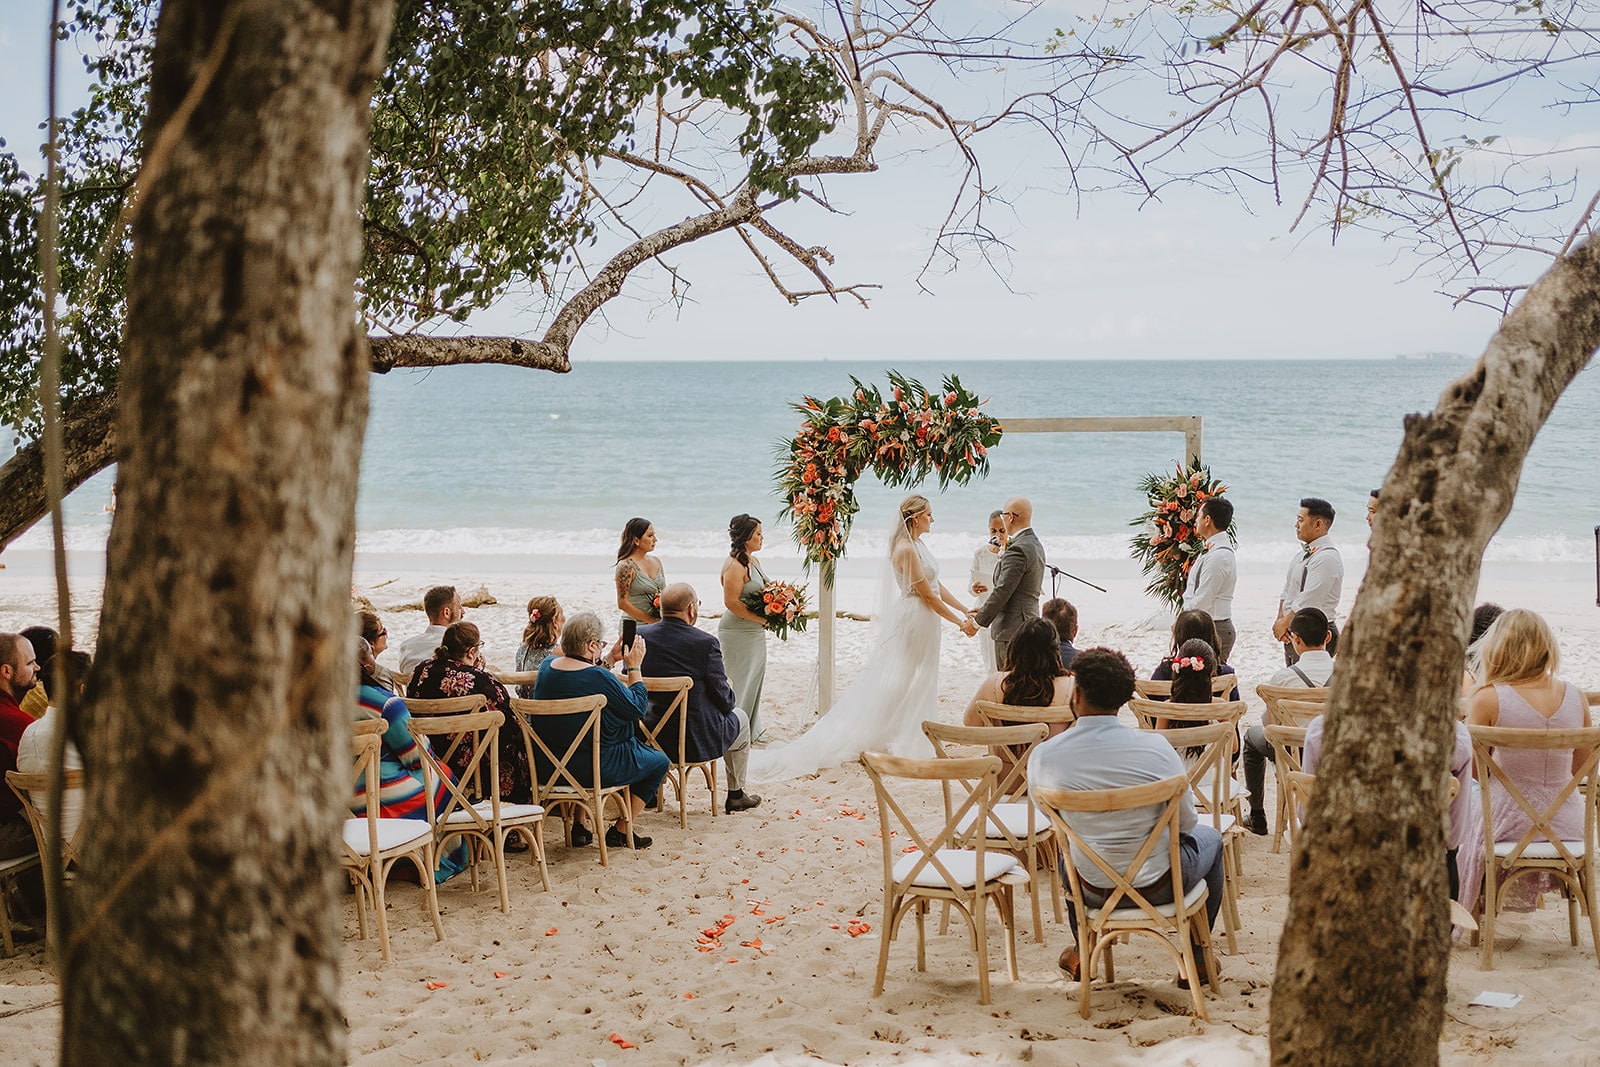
pixel 1194 276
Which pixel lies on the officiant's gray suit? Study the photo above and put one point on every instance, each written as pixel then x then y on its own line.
pixel 1018 578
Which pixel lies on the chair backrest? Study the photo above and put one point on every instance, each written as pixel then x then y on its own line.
pixel 366 748
pixel 676 718
pixel 1298 712
pixel 893 819
pixel 1166 793
pixel 1288 745
pixel 478 732
pixel 1017 742
pixel 1301 787
pixel 1161 688
pixel 1207 753
pixel 25 785
pixel 370 726
pixel 1271 694
pixel 446 705
pixel 997 714
pixel 1583 743
pixel 552 770
pixel 1148 711
pixel 512 678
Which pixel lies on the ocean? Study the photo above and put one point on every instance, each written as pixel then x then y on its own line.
pixel 511 462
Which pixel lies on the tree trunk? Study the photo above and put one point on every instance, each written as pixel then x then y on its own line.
pixel 1361 967
pixel 89 440
pixel 206 918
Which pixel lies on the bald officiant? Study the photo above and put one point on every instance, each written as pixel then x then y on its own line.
pixel 1018 578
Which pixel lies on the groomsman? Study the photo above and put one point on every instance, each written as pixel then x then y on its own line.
pixel 1018 578
pixel 1315 578
pixel 1215 572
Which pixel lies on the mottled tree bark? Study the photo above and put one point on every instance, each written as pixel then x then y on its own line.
pixel 1361 966
pixel 205 921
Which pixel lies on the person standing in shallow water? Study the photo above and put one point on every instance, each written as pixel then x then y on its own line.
pixel 640 576
pixel 741 632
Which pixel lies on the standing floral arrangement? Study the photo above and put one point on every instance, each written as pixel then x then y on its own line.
pixel 1168 542
pixel 902 438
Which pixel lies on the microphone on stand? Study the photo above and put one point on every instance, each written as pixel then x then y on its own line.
pixel 1056 574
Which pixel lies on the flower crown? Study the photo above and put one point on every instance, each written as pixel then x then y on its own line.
pixel 1193 663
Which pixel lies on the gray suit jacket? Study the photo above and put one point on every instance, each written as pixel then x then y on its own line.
pixel 1018 578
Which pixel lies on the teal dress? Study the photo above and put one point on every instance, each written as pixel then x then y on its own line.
pixel 645 592
pixel 744 653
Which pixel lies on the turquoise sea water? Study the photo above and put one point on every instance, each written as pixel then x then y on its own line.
pixel 499 460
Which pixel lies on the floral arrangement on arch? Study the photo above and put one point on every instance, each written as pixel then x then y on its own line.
pixel 1168 542
pixel 902 437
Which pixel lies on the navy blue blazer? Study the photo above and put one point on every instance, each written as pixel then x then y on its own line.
pixel 673 647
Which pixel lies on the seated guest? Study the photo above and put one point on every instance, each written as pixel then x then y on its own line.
pixel 1521 690
pixel 677 647
pixel 442 605
pixel 457 670
pixel 1193 669
pixel 1308 636
pixel 1101 753
pixel 539 637
pixel 1033 676
pixel 624 757
pixel 43 639
pixel 402 789
pixel 1064 617
pixel 36 752
pixel 370 629
pixel 1464 816
pixel 18 674
pixel 1188 626
pixel 1483 617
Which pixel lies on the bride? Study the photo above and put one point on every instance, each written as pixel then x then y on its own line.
pixel 884 708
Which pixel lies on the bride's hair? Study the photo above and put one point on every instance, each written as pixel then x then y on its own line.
pixel 910 508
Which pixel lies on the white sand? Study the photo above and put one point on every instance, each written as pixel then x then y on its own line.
pixel 613 950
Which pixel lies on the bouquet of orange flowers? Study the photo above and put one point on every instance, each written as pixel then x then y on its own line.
pixel 783 607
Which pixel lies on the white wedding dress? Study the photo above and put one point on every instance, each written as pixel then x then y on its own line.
pixel 884 708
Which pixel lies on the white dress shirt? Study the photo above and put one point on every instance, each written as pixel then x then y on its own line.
pixel 418 647
pixel 1317 664
pixel 1315 579
pixel 1212 578
pixel 33 757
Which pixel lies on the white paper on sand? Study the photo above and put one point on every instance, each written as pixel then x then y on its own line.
pixel 1490 999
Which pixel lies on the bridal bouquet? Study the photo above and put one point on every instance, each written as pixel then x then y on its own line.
pixel 783 607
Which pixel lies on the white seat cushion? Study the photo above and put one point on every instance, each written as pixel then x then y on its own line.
pixel 18 863
pixel 962 865
pixel 1013 816
pixel 1539 850
pixel 485 810
pixel 392 833
pixel 1189 900
pixel 1235 791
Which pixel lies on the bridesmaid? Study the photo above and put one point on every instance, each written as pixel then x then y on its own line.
pixel 640 576
pixel 741 632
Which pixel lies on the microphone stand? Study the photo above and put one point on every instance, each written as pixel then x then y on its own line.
pixel 1056 574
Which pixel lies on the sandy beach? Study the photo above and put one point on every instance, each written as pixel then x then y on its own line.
pixel 609 957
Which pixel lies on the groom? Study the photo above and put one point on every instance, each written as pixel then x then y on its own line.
pixel 1017 580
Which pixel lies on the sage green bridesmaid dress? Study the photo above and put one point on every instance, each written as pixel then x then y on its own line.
pixel 744 653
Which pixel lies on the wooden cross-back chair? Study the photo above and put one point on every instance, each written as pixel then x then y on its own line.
pixel 1205 751
pixel 24 786
pixel 1540 849
pixel 556 782
pixel 1298 712
pixel 1288 749
pixel 372 845
pixel 674 724
pixel 486 823
pixel 512 679
pixel 1014 825
pixel 934 867
pixel 1126 909
pixel 1148 712
pixel 1271 694
pixel 1161 688
pixel 424 706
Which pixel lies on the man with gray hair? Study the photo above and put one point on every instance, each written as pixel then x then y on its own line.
pixel 677 647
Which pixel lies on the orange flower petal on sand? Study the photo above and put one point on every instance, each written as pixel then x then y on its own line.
pixel 731 959
pixel 690 996
pixel 621 1042
pixel 501 974
pixel 437 985
pixel 550 932
pixel 754 942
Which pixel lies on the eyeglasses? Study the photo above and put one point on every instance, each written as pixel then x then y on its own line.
pixel 1009 514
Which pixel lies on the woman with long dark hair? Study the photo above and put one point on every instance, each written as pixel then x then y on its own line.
pixel 640 577
pixel 1192 626
pixel 1033 676
pixel 741 632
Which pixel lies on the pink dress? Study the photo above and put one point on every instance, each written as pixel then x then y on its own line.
pixel 1540 775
